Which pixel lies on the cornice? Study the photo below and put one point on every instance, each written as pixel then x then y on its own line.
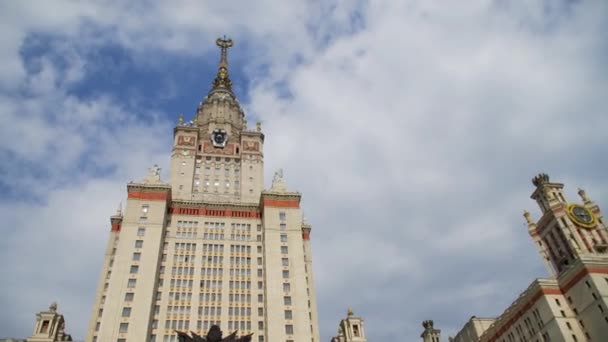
pixel 210 205
pixel 161 187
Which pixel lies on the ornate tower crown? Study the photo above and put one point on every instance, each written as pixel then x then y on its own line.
pixel 222 79
pixel 540 179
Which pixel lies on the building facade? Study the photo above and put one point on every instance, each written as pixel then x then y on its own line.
pixel 571 305
pixel 210 246
pixel 473 329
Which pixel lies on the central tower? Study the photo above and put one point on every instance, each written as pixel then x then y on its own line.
pixel 215 157
pixel 211 246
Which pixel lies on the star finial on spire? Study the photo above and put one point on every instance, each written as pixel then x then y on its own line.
pixel 222 80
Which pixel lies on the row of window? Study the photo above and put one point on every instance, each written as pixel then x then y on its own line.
pixel 191 247
pixel 239 285
pixel 179 296
pixel 240 249
pixel 216 248
pixel 183 309
pixel 240 260
pixel 210 310
pixel 181 283
pixel 215 272
pixel 185 235
pixel 239 311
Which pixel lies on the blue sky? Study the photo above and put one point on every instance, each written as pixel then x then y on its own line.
pixel 412 129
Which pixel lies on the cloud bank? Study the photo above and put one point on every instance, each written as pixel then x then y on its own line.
pixel 412 130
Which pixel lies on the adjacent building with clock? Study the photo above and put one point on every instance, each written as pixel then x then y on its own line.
pixel 571 305
pixel 211 246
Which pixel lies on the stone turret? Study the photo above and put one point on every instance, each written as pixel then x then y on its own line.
pixel 50 326
pixel 430 334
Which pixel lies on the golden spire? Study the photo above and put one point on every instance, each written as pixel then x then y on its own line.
pixel 222 79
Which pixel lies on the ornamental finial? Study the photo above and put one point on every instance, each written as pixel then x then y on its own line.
pixel 584 196
pixel 222 80
pixel 528 218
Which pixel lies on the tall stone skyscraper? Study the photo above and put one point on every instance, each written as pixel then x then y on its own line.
pixel 211 246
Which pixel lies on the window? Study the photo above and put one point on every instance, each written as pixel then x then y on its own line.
pixel 283 226
pixel 259 261
pixel 45 326
pixel 284 250
pixel 139 243
pixel 124 327
pixel 261 325
pixel 557 302
pixel 287 300
pixel 144 209
pixel 141 231
pixel 126 312
pixel 129 296
pixel 282 216
pixel 285 262
pixel 259 249
pixel 134 269
pixel 289 329
pixel 260 298
pixel 121 340
pixel 131 283
pixel 285 274
pixel 286 287
pixel 136 256
pixel 288 314
pixel 283 237
pixel 260 311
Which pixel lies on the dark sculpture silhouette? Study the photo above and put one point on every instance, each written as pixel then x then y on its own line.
pixel 214 335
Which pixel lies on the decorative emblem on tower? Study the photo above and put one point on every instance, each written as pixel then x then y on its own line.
pixel 219 137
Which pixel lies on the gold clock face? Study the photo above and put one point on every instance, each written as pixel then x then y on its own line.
pixel 581 216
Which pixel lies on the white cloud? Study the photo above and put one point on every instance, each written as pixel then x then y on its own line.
pixel 411 128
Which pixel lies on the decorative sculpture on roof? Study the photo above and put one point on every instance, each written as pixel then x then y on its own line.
pixel 542 178
pixel 53 307
pixel 278 184
pixel 153 176
pixel 213 335
pixel 584 196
